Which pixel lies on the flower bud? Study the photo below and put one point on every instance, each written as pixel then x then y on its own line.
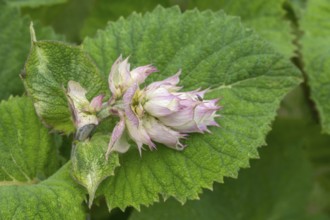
pixel 121 78
pixel 84 112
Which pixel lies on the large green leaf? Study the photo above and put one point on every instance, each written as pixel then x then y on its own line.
pixel 14 48
pixel 316 54
pixel 58 198
pixel 267 17
pixel 89 165
pixel 27 151
pixel 275 187
pixel 48 69
pixel 213 50
pixel 103 11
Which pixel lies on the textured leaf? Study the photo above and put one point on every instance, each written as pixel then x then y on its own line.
pixel 316 54
pixel 14 48
pixel 104 11
pixel 28 155
pixel 27 151
pixel 89 165
pixel 213 50
pixel 48 69
pixel 33 3
pixel 267 17
pixel 58 197
pixel 275 187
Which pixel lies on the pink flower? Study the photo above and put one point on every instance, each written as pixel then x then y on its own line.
pixel 158 113
pixel 84 112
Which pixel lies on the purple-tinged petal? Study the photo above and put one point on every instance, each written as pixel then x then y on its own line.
pixel 160 102
pixel 168 83
pixel 118 142
pixel 114 76
pixel 96 103
pixel 139 135
pixel 127 99
pixel 139 74
pixel 163 134
pixel 119 77
pixel 84 118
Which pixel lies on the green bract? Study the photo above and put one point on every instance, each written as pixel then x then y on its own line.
pixel 49 68
pixel 89 165
pixel 213 50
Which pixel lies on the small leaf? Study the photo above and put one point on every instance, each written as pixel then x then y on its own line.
pixel 275 187
pixel 316 55
pixel 27 151
pixel 58 198
pixel 89 165
pixel 15 48
pixel 214 51
pixel 48 69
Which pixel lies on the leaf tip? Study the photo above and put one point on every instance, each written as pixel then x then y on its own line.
pixel 32 34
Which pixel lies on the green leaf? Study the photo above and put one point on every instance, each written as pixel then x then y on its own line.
pixel 15 48
pixel 214 51
pixel 89 165
pixel 48 69
pixel 316 55
pixel 267 18
pixel 58 197
pixel 27 151
pixel 33 3
pixel 28 155
pixel 275 187
pixel 104 11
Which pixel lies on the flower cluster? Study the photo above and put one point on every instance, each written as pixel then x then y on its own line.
pixel 157 113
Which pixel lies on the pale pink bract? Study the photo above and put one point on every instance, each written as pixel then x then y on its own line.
pixel 159 112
